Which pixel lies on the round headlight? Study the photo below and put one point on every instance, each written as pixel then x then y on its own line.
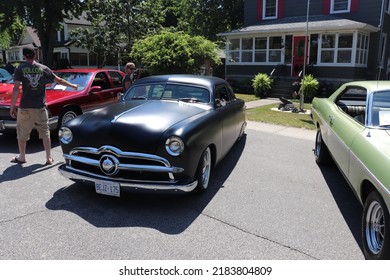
pixel 174 146
pixel 65 135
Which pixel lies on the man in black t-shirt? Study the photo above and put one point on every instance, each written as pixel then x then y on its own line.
pixel 32 110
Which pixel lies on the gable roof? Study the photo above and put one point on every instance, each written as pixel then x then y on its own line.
pixel 319 23
pixel 29 36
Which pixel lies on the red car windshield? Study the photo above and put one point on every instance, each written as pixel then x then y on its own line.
pixel 79 78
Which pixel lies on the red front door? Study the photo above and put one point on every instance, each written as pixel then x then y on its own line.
pixel 298 55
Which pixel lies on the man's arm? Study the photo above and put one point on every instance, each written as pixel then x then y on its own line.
pixel 15 93
pixel 63 82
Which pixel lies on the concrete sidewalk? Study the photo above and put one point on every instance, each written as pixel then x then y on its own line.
pixel 261 102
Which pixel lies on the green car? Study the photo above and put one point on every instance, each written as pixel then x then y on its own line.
pixel 353 128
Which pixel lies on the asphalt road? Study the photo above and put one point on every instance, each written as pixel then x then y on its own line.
pixel 267 200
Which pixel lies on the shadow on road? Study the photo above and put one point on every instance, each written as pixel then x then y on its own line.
pixel 170 213
pixel 16 171
pixel 349 205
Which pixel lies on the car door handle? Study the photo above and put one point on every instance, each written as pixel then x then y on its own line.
pixel 331 119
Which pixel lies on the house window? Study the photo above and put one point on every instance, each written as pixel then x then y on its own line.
pixel 336 48
pixel 261 49
pixel 313 48
pixel 328 45
pixel 270 9
pixel 247 50
pixel 288 49
pixel 361 49
pixel 275 49
pixel 344 50
pixel 78 59
pixel 340 6
pixel 234 50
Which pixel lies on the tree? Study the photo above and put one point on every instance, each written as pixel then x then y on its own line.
pixel 11 26
pixel 45 17
pixel 117 24
pixel 174 52
pixel 209 17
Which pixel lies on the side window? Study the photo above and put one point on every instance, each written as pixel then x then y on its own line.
pixel 116 79
pixel 353 102
pixel 354 93
pixel 101 80
pixel 222 94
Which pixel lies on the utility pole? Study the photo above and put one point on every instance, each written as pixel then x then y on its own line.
pixel 302 96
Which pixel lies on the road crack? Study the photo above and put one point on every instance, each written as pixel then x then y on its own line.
pixel 259 236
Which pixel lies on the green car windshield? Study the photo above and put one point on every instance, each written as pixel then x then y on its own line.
pixel 178 92
pixel 381 109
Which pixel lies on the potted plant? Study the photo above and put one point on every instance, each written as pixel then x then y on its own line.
pixel 261 83
pixel 309 86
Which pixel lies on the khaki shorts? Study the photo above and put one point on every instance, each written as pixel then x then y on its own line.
pixel 27 119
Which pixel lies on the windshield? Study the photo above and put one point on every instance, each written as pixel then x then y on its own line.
pixel 381 109
pixel 185 93
pixel 81 79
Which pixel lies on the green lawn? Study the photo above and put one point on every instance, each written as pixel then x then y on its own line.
pixel 267 115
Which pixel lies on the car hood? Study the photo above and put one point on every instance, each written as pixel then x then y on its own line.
pixel 132 126
pixel 52 96
pixel 6 89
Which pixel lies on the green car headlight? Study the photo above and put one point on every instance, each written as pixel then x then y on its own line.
pixel 174 146
pixel 65 135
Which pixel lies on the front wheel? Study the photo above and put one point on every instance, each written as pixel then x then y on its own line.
pixel 376 228
pixel 321 152
pixel 67 115
pixel 203 172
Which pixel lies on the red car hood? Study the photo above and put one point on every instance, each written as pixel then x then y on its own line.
pixel 51 95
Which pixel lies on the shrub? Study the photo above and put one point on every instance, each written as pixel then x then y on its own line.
pixel 261 83
pixel 310 85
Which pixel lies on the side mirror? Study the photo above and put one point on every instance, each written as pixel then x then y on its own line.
pixel 95 89
pixel 120 96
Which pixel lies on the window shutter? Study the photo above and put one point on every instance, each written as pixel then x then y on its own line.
pixel 281 9
pixel 259 14
pixel 355 5
pixel 326 7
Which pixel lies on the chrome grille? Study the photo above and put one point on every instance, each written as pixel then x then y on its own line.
pixel 114 163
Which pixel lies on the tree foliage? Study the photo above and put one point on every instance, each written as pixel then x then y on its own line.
pixel 209 17
pixel 174 52
pixel 45 16
pixel 11 26
pixel 117 24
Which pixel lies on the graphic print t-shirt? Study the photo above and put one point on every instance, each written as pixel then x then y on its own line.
pixel 34 77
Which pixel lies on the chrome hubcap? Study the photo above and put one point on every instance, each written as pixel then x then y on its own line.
pixel 375 227
pixel 206 167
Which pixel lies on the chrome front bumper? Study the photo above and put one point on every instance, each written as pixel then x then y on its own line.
pixel 86 177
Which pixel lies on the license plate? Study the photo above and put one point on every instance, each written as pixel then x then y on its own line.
pixel 108 188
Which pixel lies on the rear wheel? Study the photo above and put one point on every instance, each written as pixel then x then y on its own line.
pixel 321 152
pixel 204 170
pixel 376 228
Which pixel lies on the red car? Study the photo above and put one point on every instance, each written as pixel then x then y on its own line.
pixel 97 87
pixel 7 88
